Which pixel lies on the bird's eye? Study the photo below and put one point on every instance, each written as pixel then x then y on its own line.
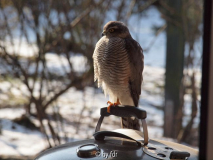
pixel 111 30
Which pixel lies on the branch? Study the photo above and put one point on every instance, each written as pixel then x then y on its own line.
pixel 77 80
pixel 16 62
pixel 167 7
pixel 154 39
pixel 145 6
pixel 84 14
pixel 57 95
pixel 132 4
pixel 173 21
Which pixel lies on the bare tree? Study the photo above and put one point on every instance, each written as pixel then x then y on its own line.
pixel 62 28
pixel 191 26
pixel 184 19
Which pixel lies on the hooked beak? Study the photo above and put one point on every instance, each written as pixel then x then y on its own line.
pixel 103 33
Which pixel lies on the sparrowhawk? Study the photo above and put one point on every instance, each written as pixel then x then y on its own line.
pixel 118 67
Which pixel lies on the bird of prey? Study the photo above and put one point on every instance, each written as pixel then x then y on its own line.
pixel 118 66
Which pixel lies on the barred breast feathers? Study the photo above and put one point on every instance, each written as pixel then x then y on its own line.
pixel 111 66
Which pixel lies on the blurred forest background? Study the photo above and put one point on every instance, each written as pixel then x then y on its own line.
pixel 47 93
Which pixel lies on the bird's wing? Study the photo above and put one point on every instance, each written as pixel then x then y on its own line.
pixel 97 55
pixel 136 59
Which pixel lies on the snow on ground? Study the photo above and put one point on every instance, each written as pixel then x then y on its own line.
pixel 11 113
pixel 18 140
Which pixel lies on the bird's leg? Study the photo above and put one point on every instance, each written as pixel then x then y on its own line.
pixel 117 103
pixel 112 104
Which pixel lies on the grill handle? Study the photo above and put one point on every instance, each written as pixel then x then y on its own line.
pixel 125 111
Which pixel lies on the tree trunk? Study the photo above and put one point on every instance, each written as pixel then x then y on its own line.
pixel 174 70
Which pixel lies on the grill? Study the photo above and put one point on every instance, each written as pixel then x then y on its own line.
pixel 121 143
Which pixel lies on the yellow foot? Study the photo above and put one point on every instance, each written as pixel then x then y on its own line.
pixel 112 104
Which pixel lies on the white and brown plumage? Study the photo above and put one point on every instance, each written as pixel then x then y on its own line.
pixel 118 67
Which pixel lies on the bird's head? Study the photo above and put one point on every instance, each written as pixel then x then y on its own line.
pixel 116 29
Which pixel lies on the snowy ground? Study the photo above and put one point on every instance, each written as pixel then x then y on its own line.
pixel 18 140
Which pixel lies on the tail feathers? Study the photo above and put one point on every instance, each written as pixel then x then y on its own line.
pixel 130 123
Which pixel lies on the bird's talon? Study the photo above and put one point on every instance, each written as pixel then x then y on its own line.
pixel 110 105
